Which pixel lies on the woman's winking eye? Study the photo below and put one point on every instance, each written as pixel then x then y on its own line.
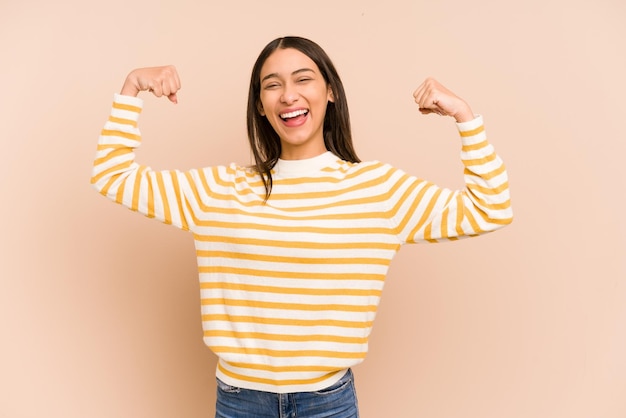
pixel 271 85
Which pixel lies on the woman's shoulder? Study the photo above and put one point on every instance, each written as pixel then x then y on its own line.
pixel 366 165
pixel 230 172
pixel 369 171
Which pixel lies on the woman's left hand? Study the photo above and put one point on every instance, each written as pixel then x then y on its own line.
pixel 433 97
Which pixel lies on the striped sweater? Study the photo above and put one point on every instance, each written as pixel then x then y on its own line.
pixel 290 287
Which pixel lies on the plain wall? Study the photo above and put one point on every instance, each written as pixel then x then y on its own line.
pixel 99 306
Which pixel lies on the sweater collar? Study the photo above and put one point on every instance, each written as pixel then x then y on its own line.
pixel 306 166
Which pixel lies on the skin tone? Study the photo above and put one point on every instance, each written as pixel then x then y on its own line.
pixel 160 81
pixel 433 98
pixel 294 97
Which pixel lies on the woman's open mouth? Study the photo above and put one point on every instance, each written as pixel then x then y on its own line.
pixel 294 114
pixel 295 118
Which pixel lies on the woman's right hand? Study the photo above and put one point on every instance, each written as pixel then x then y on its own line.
pixel 160 81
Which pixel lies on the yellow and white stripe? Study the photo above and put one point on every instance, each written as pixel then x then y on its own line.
pixel 290 287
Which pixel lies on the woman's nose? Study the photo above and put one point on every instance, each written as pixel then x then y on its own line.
pixel 289 95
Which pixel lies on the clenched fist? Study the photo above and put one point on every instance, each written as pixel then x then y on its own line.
pixel 433 97
pixel 160 81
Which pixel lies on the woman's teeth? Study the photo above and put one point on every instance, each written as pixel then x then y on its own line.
pixel 293 114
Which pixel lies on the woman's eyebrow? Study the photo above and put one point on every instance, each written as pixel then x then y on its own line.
pixel 273 75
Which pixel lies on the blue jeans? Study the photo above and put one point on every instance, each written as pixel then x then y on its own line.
pixel 336 401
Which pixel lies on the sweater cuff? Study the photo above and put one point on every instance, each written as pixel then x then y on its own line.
pixel 128 100
pixel 126 108
pixel 471 124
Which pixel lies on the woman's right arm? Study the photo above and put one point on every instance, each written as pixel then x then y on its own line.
pixel 156 194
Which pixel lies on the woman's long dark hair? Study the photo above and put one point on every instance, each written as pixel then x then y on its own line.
pixel 265 142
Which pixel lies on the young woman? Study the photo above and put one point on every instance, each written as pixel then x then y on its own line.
pixel 293 252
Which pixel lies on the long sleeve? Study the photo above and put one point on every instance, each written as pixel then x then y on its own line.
pixel 423 211
pixel 289 287
pixel 116 175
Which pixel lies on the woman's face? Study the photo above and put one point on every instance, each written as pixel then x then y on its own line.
pixel 293 98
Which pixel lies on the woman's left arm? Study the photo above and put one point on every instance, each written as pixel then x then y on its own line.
pixel 482 206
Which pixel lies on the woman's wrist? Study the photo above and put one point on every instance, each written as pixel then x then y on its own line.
pixel 129 88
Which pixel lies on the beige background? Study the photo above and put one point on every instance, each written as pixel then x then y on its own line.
pixel 99 310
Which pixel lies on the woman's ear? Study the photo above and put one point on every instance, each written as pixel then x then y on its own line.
pixel 331 96
pixel 259 107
